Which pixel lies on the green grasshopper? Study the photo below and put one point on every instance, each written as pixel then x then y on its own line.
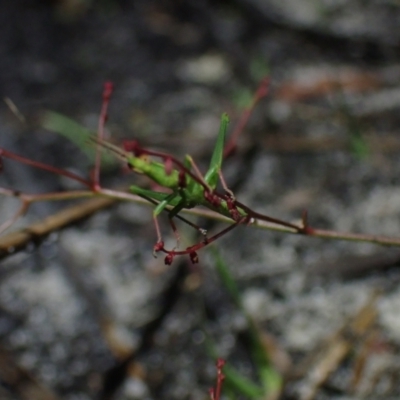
pixel 188 188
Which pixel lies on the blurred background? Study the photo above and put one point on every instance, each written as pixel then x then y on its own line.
pixel 88 313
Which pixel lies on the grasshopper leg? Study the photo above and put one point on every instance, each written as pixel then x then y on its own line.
pixel 225 186
pixel 160 207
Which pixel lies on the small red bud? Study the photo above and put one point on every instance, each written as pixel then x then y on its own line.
pixel 168 259
pixel 194 258
pixel 132 146
pixel 107 91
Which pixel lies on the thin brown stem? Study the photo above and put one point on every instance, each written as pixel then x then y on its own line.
pixel 18 240
pixel 225 186
pixel 254 219
pixel 199 174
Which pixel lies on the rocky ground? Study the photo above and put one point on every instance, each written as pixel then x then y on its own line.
pixel 90 314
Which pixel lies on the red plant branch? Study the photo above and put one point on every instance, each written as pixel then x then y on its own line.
pixel 237 212
pixel 261 92
pixel 215 392
pixel 107 91
pixel 45 167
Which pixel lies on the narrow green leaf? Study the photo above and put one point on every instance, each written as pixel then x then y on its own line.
pixel 75 133
pixel 359 146
pixel 226 278
pixel 234 380
pixel 270 378
pixel 237 381
pixel 259 68
pixel 242 98
pixel 70 129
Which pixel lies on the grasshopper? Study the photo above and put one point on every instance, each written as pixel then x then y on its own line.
pixel 187 187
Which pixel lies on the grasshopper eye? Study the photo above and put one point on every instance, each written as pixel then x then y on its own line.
pixel 132 146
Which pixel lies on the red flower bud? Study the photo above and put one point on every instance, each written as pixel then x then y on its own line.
pixel 132 146
pixel 168 259
pixel 194 258
pixel 107 90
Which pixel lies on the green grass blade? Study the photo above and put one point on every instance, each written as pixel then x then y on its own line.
pixel 238 382
pixel 270 378
pixel 75 133
pixel 226 278
pixel 70 129
pixel 234 380
pixel 359 146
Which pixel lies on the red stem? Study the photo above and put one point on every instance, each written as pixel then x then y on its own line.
pixel 107 91
pixel 198 246
pixel 215 393
pixel 261 92
pixel 44 167
pixel 256 215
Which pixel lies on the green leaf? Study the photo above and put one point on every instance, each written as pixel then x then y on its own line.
pixel 242 98
pixel 359 146
pixel 237 381
pixel 226 278
pixel 234 380
pixel 70 129
pixel 75 133
pixel 259 68
pixel 271 379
